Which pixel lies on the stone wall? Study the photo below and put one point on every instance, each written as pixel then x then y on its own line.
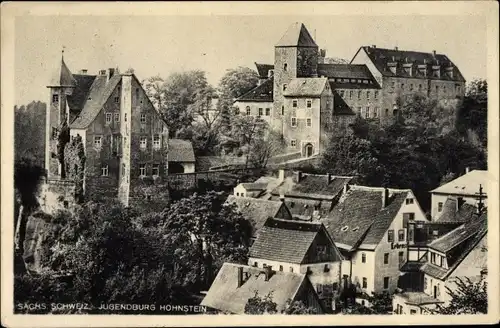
pixel 57 194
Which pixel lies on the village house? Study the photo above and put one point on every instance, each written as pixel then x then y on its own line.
pixel 457 255
pixel 257 211
pixel 370 227
pixel 181 157
pixel 464 189
pixel 235 284
pixel 307 100
pixel 301 247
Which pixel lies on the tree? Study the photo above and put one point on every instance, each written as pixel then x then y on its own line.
pixel 203 232
pixel 249 133
pixel 468 298
pixel 335 60
pixel 266 305
pixel 232 85
pixel 297 307
pixel 29 132
pixel 264 147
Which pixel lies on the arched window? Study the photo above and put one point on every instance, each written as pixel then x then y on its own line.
pixel 285 66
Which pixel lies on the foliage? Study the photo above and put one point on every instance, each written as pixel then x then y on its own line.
pixel 27 178
pixel 468 298
pixel 473 113
pixel 335 60
pixel 29 132
pixel 266 305
pixel 421 146
pixel 261 305
pixel 63 139
pixel 75 164
pixel 264 147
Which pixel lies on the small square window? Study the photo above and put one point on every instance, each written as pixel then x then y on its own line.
pixel 375 94
pixel 386 282
pixel 294 121
pixel 117 117
pixel 281 268
pixel 104 170
pixel 268 111
pixel 108 118
pixel 142 169
pixel 156 141
pixel 368 95
pixel 308 122
pixel 144 142
pixel 97 141
pixel 342 93
pixel 365 283
pixel 156 170
pixel 375 111
pixel 143 118
pixel 401 257
pixel 291 269
pixel 295 103
pixel 309 103
pixel 117 100
pixel 125 117
pixel 359 95
pixel 386 258
pixel 363 257
pixel 409 201
pixel 293 143
pixel 350 94
pixel 440 206
pixel 55 98
pixel 248 112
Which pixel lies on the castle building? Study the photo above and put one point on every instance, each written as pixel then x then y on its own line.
pixel 123 136
pixel 308 100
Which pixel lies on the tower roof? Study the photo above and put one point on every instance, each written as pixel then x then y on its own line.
pixel 297 35
pixel 62 76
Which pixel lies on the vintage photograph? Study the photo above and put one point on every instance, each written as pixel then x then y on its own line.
pixel 250 164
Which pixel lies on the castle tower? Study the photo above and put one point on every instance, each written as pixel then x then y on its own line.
pixel 295 55
pixel 61 85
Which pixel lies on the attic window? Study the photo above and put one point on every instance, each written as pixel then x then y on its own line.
pixel 247 204
pixel 355 229
pixel 344 229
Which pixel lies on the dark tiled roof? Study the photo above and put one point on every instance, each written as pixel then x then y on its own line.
pixel 100 92
pixel 261 93
pixel 263 70
pixel 297 35
pixel 457 236
pixel 225 295
pixel 411 266
pixel 180 151
pixel 255 210
pixel 284 241
pixel 339 105
pixel 359 217
pixel 309 86
pixel 350 71
pixel 254 186
pixel 384 218
pixel 312 186
pixel 450 213
pixel 480 227
pixel 77 100
pixel 380 57
pixel 62 76
pixel 353 84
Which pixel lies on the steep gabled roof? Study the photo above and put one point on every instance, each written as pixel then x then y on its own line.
pixel 225 295
pixel 261 93
pixel 470 234
pixel 297 35
pixel 340 107
pixel 180 151
pixel 285 240
pixel 309 86
pixel 62 76
pixel 255 210
pixel 467 184
pixel 76 101
pixel 380 57
pixel 263 70
pixel 100 91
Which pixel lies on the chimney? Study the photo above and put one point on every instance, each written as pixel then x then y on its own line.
pixel 374 46
pixel 385 198
pixel 346 188
pixel 297 176
pixel 240 276
pixel 434 53
pixel 467 170
pixel 329 177
pixel 396 48
pixel 281 175
pixel 268 272
pixel 270 73
pixel 282 198
pixel 111 72
pixel 83 71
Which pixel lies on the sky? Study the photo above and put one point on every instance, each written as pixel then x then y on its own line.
pixel 153 45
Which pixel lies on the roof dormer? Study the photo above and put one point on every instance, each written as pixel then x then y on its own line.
pixel 449 71
pixel 408 67
pixel 392 65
